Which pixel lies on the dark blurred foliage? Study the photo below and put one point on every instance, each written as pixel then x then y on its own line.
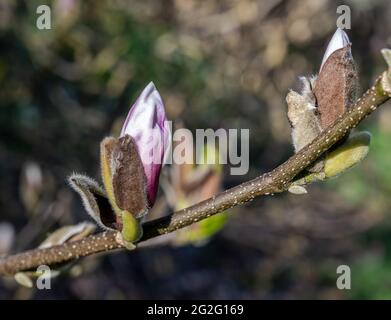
pixel 216 64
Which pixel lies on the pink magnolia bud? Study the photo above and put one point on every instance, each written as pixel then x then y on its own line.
pixel 147 124
pixel 339 40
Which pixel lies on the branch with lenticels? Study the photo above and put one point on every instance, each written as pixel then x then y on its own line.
pixel 276 181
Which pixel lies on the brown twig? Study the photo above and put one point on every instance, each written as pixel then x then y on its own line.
pixel 269 183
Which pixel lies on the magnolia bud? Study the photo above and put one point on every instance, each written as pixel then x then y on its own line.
pixel 302 116
pixel 353 151
pixel 334 92
pixel 130 166
pixel 147 124
pixel 336 85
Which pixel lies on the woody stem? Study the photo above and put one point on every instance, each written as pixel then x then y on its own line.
pixel 275 181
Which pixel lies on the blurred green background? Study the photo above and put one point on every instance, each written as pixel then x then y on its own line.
pixel 217 64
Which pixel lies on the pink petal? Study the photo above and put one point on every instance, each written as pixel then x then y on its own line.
pixel 147 124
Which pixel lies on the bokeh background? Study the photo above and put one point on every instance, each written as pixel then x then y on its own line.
pixel 217 64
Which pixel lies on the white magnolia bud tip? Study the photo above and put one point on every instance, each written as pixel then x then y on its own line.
pixel 339 40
